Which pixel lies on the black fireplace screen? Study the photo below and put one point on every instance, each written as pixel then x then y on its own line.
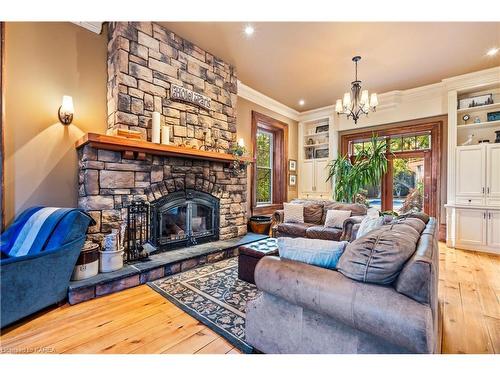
pixel 185 218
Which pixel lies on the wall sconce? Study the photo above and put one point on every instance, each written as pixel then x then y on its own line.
pixel 66 110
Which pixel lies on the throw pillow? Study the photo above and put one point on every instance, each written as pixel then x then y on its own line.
pixel 313 213
pixel 293 213
pixel 336 218
pixel 379 256
pixel 320 253
pixel 368 224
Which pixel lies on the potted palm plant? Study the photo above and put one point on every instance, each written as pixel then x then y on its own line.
pixel 352 176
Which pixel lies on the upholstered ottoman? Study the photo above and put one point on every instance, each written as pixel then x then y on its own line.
pixel 249 256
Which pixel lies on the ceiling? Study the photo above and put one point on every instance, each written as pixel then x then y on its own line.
pixel 289 61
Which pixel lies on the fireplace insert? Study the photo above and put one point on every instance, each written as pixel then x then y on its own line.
pixel 185 218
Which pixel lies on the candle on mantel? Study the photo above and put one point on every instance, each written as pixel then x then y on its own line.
pixel 165 135
pixel 155 129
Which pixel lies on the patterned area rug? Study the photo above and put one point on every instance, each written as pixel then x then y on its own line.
pixel 214 295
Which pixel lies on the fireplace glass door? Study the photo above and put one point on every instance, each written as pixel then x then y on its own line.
pixel 185 218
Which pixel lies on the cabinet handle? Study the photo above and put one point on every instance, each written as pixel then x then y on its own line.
pixel 484 215
pixel 489 215
pixel 488 189
pixel 483 190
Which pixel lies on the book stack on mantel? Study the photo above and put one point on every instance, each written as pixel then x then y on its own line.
pixel 136 148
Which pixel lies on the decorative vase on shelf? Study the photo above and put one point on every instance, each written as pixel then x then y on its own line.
pixel 497 139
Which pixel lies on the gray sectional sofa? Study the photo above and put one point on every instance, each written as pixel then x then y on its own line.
pixel 307 309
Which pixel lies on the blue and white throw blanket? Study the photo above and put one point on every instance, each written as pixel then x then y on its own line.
pixel 31 231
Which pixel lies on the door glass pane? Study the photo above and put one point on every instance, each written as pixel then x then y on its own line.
pixel 371 196
pixel 201 220
pixel 173 223
pixel 423 142
pixel 408 185
pixel 396 144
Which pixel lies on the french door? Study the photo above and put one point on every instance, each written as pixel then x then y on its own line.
pixel 412 180
pixel 407 185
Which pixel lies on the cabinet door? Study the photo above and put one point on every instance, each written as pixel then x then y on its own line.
pixel 321 174
pixel 493 238
pixel 470 179
pixel 493 172
pixel 471 227
pixel 306 178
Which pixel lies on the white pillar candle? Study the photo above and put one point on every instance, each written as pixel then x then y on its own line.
pixel 155 131
pixel 165 135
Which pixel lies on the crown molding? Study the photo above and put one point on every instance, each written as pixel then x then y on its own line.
pixel 474 79
pixel 248 93
pixel 387 100
pixel 95 27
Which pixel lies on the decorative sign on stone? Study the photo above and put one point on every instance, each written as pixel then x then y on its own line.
pixel 184 95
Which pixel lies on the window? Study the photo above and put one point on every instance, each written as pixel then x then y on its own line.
pixel 396 144
pixel 269 173
pixel 264 167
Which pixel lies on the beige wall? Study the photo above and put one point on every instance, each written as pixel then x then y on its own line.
pixel 244 126
pixel 45 61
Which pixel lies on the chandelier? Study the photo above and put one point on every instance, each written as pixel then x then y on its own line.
pixel 356 102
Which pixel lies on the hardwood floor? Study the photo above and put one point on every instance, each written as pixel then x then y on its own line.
pixel 139 320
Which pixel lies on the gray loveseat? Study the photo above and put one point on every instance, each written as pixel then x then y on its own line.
pixel 307 309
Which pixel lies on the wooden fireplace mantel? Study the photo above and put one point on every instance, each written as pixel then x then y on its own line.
pixel 135 148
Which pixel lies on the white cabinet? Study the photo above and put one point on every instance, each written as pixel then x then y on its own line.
pixel 321 186
pixel 470 226
pixel 306 180
pixel 478 174
pixel 470 171
pixel 476 229
pixel 493 174
pixel 493 231
pixel 313 175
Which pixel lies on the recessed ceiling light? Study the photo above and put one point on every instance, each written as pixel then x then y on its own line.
pixel 493 51
pixel 302 102
pixel 249 30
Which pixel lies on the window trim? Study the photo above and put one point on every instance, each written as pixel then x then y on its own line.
pixel 280 158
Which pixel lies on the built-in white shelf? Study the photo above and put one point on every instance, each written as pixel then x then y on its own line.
pixel 483 125
pixel 324 134
pixel 479 108
pixel 317 145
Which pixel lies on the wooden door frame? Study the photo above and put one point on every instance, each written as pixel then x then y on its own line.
pixel 433 125
pixel 280 191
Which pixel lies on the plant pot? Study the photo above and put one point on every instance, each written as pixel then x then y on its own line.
pixel 260 224
pixel 110 260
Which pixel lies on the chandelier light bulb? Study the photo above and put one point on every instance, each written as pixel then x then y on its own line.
pixel 338 106
pixel 347 100
pixel 373 100
pixel 364 98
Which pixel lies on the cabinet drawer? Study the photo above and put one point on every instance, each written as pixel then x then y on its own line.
pixel 493 201
pixel 470 201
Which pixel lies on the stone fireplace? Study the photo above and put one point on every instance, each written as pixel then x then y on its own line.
pixel 193 199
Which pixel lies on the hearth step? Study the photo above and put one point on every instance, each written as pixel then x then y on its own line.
pixel 158 266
